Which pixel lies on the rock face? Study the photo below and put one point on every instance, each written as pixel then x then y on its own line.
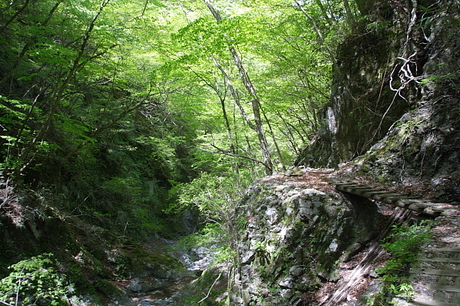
pixel 395 112
pixel 420 152
pixel 295 232
pixel 393 119
pixel 400 65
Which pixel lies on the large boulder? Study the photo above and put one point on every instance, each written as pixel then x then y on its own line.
pixel 294 232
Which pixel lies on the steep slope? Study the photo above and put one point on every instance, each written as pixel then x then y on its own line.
pixel 397 85
pixel 60 259
pixel 420 152
pixel 393 121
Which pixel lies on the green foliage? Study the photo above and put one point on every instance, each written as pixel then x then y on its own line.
pixel 403 244
pixel 114 108
pixel 107 106
pixel 203 193
pixel 211 195
pixel 213 236
pixel 378 25
pixel 405 241
pixel 129 188
pixel 74 131
pixel 141 55
pixel 35 281
pixel 214 198
pixel 437 78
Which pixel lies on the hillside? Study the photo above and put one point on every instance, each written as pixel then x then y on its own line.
pixel 392 123
pixel 188 153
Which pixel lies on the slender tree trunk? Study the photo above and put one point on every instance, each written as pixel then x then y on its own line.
pixel 28 45
pixel 275 142
pixel 30 151
pixel 234 94
pixel 255 102
pixel 145 7
pixel 222 95
pixel 317 30
pixel 288 133
pixel 5 26
pixel 350 16
pixel 324 11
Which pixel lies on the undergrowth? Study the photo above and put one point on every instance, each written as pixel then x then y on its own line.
pixel 36 281
pixel 403 244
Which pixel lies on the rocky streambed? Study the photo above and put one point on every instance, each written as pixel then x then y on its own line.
pixel 167 285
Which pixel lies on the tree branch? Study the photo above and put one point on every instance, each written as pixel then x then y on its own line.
pixel 228 153
pixel 209 291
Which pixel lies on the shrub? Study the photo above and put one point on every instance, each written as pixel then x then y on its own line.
pixel 35 281
pixel 403 244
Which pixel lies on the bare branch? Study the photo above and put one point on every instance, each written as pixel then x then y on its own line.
pixel 229 153
pixel 209 291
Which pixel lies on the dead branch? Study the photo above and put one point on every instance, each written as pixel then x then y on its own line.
pixel 209 291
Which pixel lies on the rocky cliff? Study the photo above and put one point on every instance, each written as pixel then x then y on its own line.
pixel 398 71
pixel 393 120
pixel 295 231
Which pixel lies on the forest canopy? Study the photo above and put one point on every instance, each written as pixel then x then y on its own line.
pixel 116 101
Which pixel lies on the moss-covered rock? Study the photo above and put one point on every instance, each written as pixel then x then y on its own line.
pixel 294 238
pixel 393 63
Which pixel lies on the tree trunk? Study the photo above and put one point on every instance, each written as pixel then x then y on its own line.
pixel 317 30
pixel 255 102
pixel 350 16
pixel 30 151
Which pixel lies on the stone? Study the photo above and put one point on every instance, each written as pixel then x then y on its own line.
pixel 134 286
pixel 300 236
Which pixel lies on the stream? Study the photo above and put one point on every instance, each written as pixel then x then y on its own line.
pixel 154 291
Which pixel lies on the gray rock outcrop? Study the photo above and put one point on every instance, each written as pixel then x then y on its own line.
pixel 295 233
